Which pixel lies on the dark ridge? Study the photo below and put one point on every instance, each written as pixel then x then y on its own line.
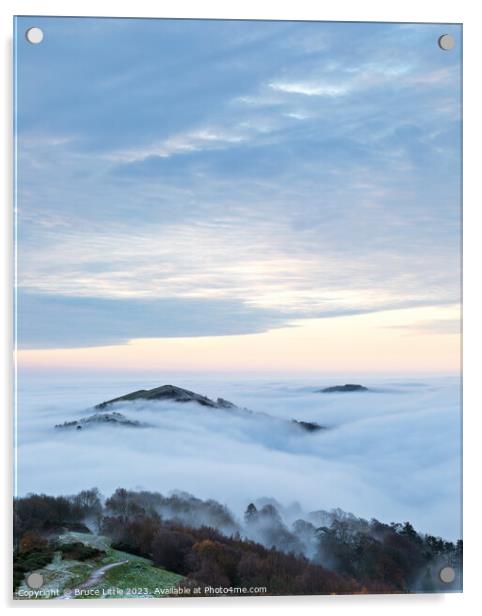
pixel 309 426
pixel 349 387
pixel 170 392
pixel 101 418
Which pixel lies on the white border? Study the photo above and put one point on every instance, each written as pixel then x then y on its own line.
pixel 460 11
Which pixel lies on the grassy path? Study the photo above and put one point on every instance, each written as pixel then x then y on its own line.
pixel 94 579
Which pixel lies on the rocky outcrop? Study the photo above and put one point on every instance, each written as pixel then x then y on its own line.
pixel 349 387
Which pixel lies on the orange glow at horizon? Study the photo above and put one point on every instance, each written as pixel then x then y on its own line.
pixel 406 340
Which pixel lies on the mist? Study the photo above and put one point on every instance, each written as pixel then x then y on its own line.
pixel 392 453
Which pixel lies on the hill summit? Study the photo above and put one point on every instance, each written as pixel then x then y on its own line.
pixel 349 387
pixel 170 392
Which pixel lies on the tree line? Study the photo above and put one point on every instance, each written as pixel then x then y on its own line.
pixel 203 541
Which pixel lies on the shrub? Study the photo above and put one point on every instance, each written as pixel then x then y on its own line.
pixel 79 551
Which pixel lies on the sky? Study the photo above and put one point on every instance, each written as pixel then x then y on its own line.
pixel 214 195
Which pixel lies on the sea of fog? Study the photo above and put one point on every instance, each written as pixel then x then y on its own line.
pixel 392 453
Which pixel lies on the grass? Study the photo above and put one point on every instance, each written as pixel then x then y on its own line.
pixel 136 578
pixel 94 541
pixel 118 555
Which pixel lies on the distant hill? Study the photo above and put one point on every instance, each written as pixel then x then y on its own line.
pixel 174 394
pixel 169 392
pixel 348 388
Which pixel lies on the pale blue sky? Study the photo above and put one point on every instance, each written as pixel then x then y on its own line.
pixel 196 178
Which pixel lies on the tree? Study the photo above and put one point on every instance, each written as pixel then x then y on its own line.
pixel 251 513
pixel 170 548
pixel 123 503
pixel 90 503
pixel 31 541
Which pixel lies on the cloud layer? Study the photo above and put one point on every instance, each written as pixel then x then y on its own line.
pixel 52 321
pixel 393 453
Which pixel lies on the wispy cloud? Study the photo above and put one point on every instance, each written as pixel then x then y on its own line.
pixel 310 88
pixel 287 173
pixel 196 141
pixel 435 326
pixel 260 263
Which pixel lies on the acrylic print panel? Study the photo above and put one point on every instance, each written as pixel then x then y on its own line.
pixel 237 308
